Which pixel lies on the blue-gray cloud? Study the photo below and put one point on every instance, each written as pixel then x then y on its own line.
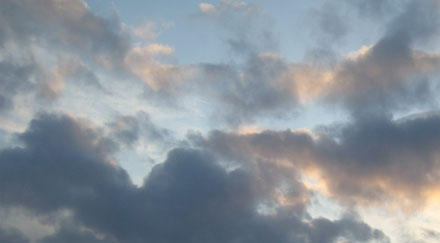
pixel 364 161
pixel 12 236
pixel 64 165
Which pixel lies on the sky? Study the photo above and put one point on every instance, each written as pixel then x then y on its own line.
pixel 219 121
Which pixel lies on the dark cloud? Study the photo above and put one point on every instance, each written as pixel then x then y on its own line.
pixel 389 78
pixel 69 234
pixel 392 75
pixel 57 169
pixel 383 158
pixel 329 231
pixel 12 236
pixel 229 187
pixel 361 162
pixel 419 21
pixel 64 165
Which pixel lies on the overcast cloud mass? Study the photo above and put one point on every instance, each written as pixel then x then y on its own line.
pixel 219 121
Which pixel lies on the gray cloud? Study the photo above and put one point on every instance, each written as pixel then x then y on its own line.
pixel 12 236
pixel 69 234
pixel 366 161
pixel 231 188
pixel 247 33
pixel 14 78
pixel 129 129
pixel 60 28
pixel 389 78
pixel 64 24
pixel 376 8
pixel 64 165
pixel 392 75
pixel 332 25
pixel 243 93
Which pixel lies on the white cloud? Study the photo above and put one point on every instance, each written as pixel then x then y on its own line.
pixel 207 8
pixel 146 31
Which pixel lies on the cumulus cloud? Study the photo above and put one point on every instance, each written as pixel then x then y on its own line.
pixel 361 163
pixel 243 186
pixel 63 164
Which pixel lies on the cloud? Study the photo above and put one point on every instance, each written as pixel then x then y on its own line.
pixel 395 74
pixel 69 234
pixel 64 24
pixel 375 8
pixel 12 236
pixel 143 62
pixel 225 7
pixel 37 35
pixel 260 87
pixel 242 22
pixel 146 31
pixel 64 165
pixel 331 24
pixel 207 8
pixel 388 77
pixel 128 130
pixel 360 163
pixel 392 75
pixel 15 78
pixel 381 79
